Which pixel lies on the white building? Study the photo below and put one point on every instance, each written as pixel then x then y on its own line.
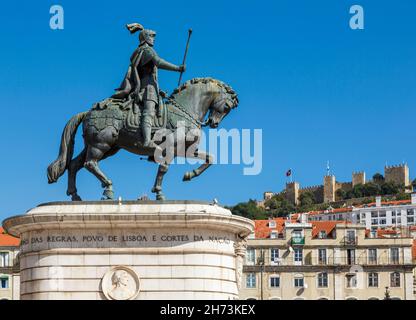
pixel 9 268
pixel 379 215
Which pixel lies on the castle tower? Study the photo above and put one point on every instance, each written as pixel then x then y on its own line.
pixel 292 192
pixel 268 195
pixel 398 174
pixel 358 178
pixel 329 188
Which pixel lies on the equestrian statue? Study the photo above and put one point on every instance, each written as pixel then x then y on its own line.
pixel 144 120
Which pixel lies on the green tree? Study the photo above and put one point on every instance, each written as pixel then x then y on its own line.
pixel 307 199
pixel 389 188
pixel 341 194
pixel 378 178
pixel 371 189
pixel 249 210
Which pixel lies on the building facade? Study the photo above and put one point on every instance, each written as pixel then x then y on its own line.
pixel 332 260
pixel 374 216
pixel 9 268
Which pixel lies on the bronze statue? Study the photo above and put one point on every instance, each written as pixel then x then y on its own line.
pixel 141 80
pixel 127 120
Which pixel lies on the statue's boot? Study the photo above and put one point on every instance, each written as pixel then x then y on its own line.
pixel 147 134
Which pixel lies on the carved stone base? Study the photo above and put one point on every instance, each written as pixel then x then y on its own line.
pixel 130 250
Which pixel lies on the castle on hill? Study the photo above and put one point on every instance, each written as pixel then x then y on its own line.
pixel 327 192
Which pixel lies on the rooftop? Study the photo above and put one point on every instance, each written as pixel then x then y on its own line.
pixel 7 240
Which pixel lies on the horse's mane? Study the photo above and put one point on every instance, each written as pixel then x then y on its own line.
pixel 221 84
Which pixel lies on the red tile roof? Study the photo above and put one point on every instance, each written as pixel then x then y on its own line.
pixel 386 203
pixel 327 226
pixel 7 240
pixel 337 210
pixel 262 229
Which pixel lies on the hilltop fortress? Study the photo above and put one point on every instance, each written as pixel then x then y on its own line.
pixel 327 192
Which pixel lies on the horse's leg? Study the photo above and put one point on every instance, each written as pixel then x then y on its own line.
pixel 157 187
pixel 91 164
pixel 74 166
pixel 194 173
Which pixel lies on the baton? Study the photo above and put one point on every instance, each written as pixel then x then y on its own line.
pixel 184 57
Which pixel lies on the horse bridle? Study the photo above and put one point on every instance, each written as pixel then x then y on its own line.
pixel 229 102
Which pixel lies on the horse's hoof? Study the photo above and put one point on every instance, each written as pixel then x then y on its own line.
pixel 187 176
pixel 76 197
pixel 160 197
pixel 108 195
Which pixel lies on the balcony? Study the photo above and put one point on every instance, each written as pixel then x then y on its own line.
pixel 297 241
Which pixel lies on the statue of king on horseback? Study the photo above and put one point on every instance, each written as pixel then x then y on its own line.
pixel 137 109
pixel 141 80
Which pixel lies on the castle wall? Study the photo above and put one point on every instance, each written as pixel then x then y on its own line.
pixel 329 188
pixel 292 192
pixel 397 174
pixel 358 178
pixel 317 191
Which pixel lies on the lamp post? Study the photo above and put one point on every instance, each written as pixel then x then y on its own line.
pixel 387 294
pixel 260 262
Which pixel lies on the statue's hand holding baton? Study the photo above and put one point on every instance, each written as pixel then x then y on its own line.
pixel 184 57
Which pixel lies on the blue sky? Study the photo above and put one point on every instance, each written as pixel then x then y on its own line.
pixel 319 90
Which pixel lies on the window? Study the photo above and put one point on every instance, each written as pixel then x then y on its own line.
pixel 274 255
pixel 298 281
pixel 394 279
pixel 251 280
pixel 274 281
pixel 4 259
pixel 394 255
pixel 297 234
pixel 272 224
pixel 410 212
pixel 382 221
pixel 4 282
pixel 350 235
pixel 250 256
pixel 410 220
pixel 298 255
pixel 351 280
pixel 350 256
pixel 322 280
pixel 374 214
pixel 273 234
pixel 322 256
pixel 373 280
pixel 382 214
pixel 372 256
pixel 322 234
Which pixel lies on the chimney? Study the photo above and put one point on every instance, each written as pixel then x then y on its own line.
pixel 413 198
pixel 378 201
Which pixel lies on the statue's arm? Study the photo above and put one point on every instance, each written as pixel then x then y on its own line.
pixel 163 64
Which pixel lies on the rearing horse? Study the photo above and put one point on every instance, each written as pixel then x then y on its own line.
pixel 187 107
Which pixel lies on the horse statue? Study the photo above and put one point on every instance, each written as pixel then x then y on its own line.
pixel 113 124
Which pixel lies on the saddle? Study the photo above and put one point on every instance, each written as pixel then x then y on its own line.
pixel 110 111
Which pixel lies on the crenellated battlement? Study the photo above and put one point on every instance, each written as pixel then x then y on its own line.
pixel 327 192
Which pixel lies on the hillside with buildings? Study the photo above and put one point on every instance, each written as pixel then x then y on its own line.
pixel 394 185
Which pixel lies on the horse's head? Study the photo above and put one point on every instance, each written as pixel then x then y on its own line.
pixel 202 96
pixel 223 102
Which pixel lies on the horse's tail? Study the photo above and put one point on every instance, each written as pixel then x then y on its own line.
pixel 66 150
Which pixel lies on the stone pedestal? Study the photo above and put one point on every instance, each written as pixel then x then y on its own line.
pixel 130 250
